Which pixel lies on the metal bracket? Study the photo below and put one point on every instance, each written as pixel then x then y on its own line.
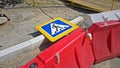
pixel 89 35
pixel 105 20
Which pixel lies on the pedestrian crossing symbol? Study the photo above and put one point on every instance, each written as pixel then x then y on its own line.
pixel 56 28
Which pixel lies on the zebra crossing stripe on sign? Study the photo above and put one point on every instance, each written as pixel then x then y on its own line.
pixel 57 28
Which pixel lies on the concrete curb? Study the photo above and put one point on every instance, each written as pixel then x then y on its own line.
pixel 15 50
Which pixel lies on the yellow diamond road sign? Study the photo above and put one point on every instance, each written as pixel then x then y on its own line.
pixel 56 28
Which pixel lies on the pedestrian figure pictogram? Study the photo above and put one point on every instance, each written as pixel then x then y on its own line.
pixel 55 28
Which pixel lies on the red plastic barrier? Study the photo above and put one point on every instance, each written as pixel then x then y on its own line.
pixel 105 40
pixel 73 51
pixel 100 41
pixel 115 38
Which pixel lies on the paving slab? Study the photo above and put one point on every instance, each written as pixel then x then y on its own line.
pixel 22 23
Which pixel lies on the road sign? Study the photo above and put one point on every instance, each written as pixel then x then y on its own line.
pixel 56 28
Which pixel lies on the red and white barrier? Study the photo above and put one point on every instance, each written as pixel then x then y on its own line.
pixel 73 51
pixel 77 51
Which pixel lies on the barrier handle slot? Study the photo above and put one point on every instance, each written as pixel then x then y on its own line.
pixel 57 55
pixel 108 41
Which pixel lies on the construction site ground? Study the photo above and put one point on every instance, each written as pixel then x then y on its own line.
pixel 21 28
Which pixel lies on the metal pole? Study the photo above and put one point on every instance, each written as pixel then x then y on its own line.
pixel 72 4
pixel 112 5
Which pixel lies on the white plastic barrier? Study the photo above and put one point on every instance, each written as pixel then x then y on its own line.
pixel 111 15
